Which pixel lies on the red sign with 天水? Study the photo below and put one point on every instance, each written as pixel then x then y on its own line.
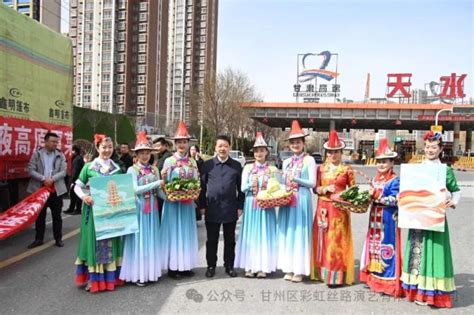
pixel 19 138
pixel 399 85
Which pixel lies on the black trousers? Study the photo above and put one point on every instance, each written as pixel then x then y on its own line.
pixel 213 230
pixel 76 202
pixel 55 203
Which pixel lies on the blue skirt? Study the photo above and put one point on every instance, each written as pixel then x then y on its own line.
pixel 142 250
pixel 257 243
pixel 179 236
pixel 294 235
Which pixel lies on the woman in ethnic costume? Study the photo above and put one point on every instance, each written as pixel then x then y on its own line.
pixel 427 274
pixel 98 262
pixel 381 262
pixel 332 258
pixel 294 220
pixel 141 254
pixel 257 245
pixel 178 225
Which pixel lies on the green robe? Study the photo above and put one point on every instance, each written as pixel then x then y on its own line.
pixel 427 263
pixel 86 253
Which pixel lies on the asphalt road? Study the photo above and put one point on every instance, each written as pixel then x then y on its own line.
pixel 42 280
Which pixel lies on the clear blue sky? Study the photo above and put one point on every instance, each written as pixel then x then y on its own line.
pixel 427 38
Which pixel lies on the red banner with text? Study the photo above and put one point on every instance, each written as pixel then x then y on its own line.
pixel 19 138
pixel 23 214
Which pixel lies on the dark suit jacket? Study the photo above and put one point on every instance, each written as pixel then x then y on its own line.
pixel 77 165
pixel 220 190
pixel 127 160
pixel 161 159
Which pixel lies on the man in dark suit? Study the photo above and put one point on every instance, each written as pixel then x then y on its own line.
pixel 125 156
pixel 77 163
pixel 161 147
pixel 221 201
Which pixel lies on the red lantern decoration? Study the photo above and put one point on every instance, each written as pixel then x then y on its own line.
pixel 265 120
pixel 311 120
pixel 398 122
pixel 353 122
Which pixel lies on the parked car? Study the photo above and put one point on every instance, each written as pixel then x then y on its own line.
pixel 318 158
pixel 283 155
pixel 238 156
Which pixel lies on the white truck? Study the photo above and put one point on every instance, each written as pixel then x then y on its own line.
pixel 238 156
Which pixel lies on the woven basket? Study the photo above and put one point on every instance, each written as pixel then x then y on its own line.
pixel 274 202
pixel 178 195
pixel 347 206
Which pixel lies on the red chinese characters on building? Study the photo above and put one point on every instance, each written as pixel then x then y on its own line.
pixel 452 86
pixel 399 85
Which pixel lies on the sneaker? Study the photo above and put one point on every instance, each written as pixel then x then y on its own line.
pixel 288 276
pixel 421 303
pixel 297 278
pixel 261 275
pixel 141 284
pixel 249 274
pixel 88 286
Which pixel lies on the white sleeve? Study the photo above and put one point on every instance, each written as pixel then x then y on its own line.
pixel 78 189
pixel 455 197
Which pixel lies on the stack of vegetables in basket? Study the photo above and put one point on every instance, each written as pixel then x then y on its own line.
pixel 354 200
pixel 180 189
pixel 273 196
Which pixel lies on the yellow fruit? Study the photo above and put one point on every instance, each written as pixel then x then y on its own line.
pixel 273 185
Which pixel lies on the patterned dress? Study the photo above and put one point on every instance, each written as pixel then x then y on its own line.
pixel 332 258
pixel 294 220
pixel 427 273
pixel 381 262
pixel 97 261
pixel 257 243
pixel 142 252
pixel 178 226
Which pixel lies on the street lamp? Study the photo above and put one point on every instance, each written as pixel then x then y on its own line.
pixel 442 110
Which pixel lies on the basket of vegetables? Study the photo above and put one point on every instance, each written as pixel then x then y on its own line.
pixel 353 200
pixel 273 196
pixel 179 189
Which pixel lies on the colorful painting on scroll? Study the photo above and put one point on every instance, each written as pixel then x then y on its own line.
pixel 422 196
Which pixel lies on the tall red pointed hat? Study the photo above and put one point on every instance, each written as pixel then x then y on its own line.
pixel 181 132
pixel 334 143
pixel 260 141
pixel 296 131
pixel 142 142
pixel 384 152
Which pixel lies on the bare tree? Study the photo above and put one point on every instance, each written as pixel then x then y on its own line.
pixel 221 98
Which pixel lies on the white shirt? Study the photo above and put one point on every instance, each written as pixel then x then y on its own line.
pixel 48 160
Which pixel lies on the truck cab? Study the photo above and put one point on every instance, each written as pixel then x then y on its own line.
pixel 238 156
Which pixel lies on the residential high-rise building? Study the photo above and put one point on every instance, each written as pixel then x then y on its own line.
pixel 192 51
pixel 120 53
pixel 45 12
